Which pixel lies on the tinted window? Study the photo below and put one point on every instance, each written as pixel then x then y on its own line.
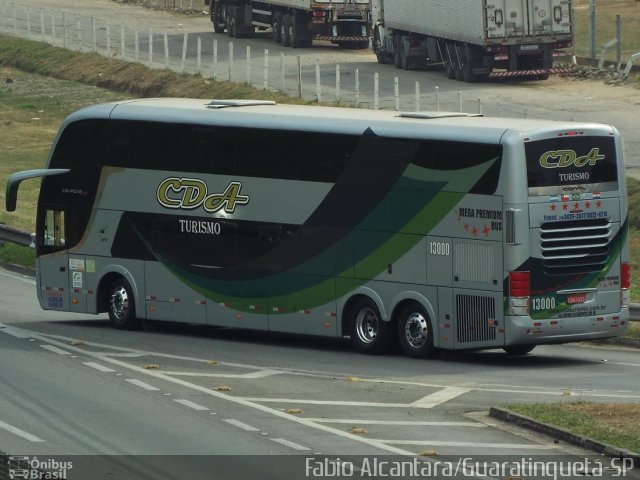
pixel 570 161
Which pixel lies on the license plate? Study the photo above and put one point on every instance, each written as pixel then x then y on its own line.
pixel 528 48
pixel 576 298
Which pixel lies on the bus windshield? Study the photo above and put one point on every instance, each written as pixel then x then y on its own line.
pixel 577 164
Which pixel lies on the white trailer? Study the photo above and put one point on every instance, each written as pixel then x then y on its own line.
pixel 473 39
pixel 295 23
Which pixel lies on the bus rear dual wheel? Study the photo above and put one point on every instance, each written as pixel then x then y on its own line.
pixel 372 335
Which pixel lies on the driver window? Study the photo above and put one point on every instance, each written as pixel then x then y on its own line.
pixel 54 235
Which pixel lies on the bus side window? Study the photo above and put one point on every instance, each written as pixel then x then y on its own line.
pixel 54 233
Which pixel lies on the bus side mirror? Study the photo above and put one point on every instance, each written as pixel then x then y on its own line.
pixel 15 179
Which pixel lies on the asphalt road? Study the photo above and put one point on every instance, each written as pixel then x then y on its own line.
pixel 72 386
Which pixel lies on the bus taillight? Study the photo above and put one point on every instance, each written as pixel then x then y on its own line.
pixel 519 292
pixel 625 283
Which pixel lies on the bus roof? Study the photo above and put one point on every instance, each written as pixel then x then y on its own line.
pixel 269 115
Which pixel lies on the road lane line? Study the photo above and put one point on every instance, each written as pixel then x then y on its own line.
pixel 222 396
pixel 190 404
pixel 242 425
pixel 15 332
pixel 97 366
pixel 20 433
pixel 57 350
pixel 294 445
pixel 396 422
pixel 250 375
pixel 141 384
pixel 439 397
pixel 439 443
pixel 346 403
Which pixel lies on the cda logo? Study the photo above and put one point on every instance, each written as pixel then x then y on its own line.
pixel 191 193
pixel 567 158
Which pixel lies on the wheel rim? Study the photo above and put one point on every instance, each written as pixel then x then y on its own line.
pixel 416 330
pixel 367 325
pixel 120 303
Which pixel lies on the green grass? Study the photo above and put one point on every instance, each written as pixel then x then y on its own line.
pixel 13 254
pixel 614 424
pixel 606 11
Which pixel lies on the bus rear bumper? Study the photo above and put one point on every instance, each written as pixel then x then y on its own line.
pixel 524 330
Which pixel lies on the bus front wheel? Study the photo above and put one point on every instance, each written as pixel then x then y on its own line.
pixel 415 332
pixel 122 306
pixel 369 333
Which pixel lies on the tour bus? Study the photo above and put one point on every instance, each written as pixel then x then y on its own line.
pixel 434 231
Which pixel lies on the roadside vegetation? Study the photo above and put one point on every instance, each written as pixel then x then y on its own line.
pixel 615 424
pixel 41 84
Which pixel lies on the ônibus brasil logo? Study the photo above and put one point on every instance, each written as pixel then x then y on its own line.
pixel 191 193
pixel 567 158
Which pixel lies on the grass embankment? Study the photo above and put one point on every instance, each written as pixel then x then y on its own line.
pixel 614 424
pixel 32 107
pixel 629 11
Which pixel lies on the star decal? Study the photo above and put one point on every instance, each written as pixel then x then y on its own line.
pixel 553 207
pixel 565 206
pixel 576 206
pixel 474 231
pixel 466 226
pixel 486 231
pixel 598 204
pixel 587 205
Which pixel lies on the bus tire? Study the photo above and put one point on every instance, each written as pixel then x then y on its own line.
pixel 122 306
pixel 285 32
pixel 415 332
pixel 277 22
pixel 516 350
pixel 369 333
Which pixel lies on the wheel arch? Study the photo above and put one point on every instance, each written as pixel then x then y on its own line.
pixel 107 276
pixel 406 298
pixel 362 292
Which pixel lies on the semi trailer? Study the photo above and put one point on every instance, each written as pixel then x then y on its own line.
pixel 474 39
pixel 295 23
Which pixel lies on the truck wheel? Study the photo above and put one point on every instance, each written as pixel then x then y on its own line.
pixel 369 333
pixel 449 62
pixel 122 306
pixel 285 32
pixel 231 22
pixel 217 17
pixel 298 31
pixel 415 332
pixel 397 54
pixel 468 61
pixel 277 22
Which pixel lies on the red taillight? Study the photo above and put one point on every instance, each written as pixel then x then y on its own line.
pixel 519 284
pixel 625 275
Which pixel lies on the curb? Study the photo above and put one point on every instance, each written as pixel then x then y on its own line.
pixel 562 434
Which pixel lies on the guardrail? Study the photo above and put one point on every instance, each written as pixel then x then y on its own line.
pixel 13 235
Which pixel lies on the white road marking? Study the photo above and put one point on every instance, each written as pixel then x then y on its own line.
pixel 287 443
pixel 20 433
pixel 625 364
pixel 125 355
pixel 439 443
pixel 439 397
pixel 190 404
pixel 250 375
pixel 57 350
pixel 242 425
pixel 396 422
pixel 97 366
pixel 141 384
pixel 15 332
pixel 258 406
pixel 344 403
